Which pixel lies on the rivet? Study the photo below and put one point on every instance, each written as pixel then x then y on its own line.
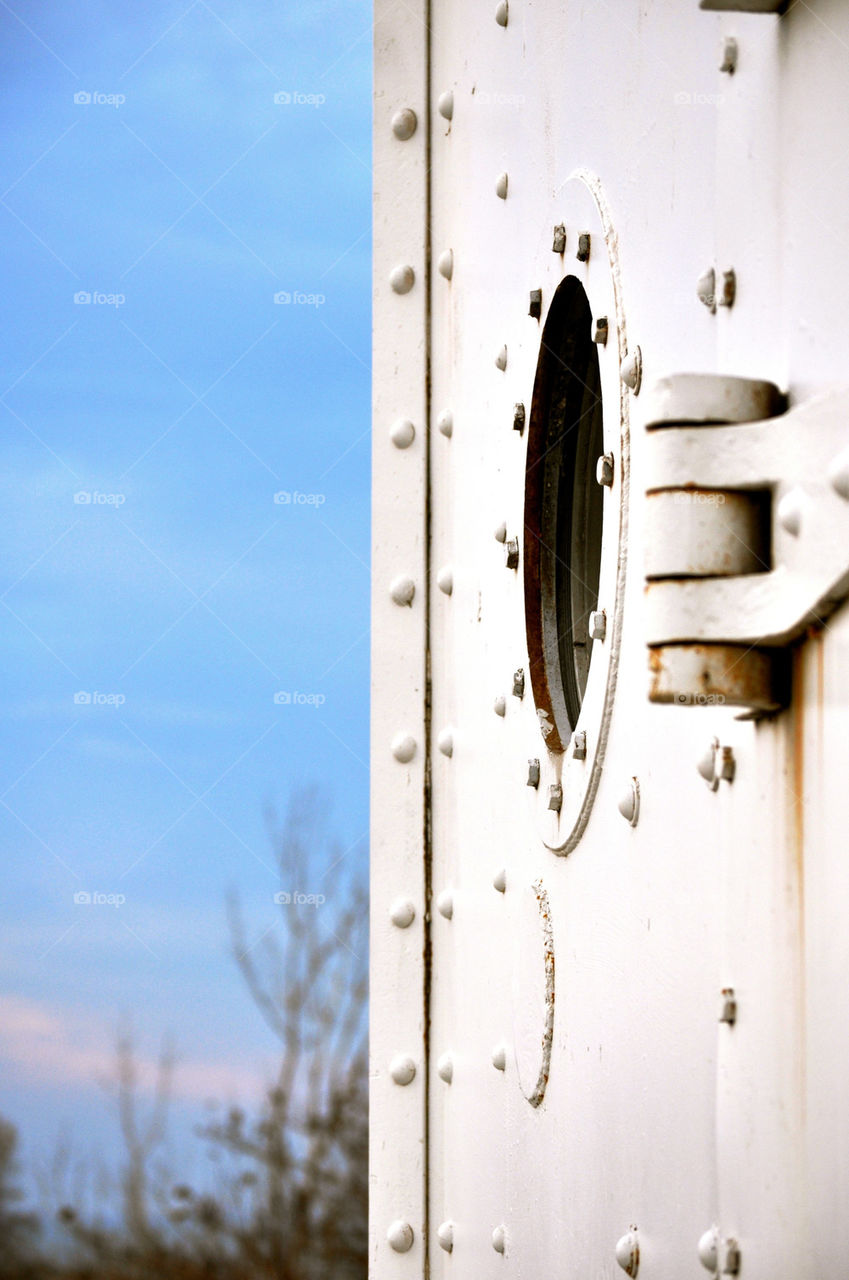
pixel 629 802
pixel 499 1057
pixel 402 913
pixel 501 13
pixel 730 1257
pixel 707 765
pixel 445 742
pixel 445 423
pixel 518 417
pixel 728 57
pixel 499 706
pixel 790 511
pixel 400 1236
pixel 631 370
pixel 728 291
pixel 501 532
pixel 501 359
pixel 404 747
pixel 499 1238
pixel 706 289
pixel 533 773
pixel 402 434
pixel 628 1252
pixel 519 682
pixel 555 797
pixel 445 904
pixel 601 331
pixel 445 580
pixel 558 244
pixel 604 469
pixel 446 263
pixel 579 745
pixel 708 1249
pixel 501 186
pixel 402 1069
pixel 727 1006
pixel 535 304
pixel 402 279
pixel 445 1068
pixel 445 105
pixel 512 553
pixel 583 251
pixel 445 1236
pixel 404 124
pixel 402 589
pixel 598 624
pixel 838 474
pixel 499 881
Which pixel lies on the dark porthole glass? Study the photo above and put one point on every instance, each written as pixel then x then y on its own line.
pixel 563 512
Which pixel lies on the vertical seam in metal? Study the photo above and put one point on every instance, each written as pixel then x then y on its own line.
pixel 427 834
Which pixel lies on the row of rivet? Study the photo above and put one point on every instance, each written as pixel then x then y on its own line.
pixel 401 1235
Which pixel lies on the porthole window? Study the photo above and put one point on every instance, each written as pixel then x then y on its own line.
pixel 564 504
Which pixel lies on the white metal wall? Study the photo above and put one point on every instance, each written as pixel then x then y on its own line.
pixel 657 1117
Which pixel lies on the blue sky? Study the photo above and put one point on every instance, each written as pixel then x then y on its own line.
pixel 180 165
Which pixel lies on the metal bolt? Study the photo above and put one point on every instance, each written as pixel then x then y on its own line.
pixel 729 289
pixel 519 683
pixel 727 764
pixel 403 747
pixel 404 124
pixel 445 265
pixel 598 624
pixel 445 580
pixel 402 589
pixel 518 417
pixel 499 1238
pixel 730 1257
pixel 445 1236
pixel 403 433
pixel 512 553
pixel 445 105
pixel 579 745
pixel 708 1249
pixel 728 61
pixel 402 278
pixel 501 532
pixel 500 705
pixel 629 802
pixel 558 244
pixel 535 306
pixel 400 1236
pixel 402 1069
pixel 583 254
pixel 555 797
pixel 501 186
pixel 445 904
pixel 445 742
pixel 707 765
pixel 499 881
pixel 501 13
pixel 533 773
pixel 445 423
pixel 706 289
pixel 604 469
pixel 501 359
pixel 445 1068
pixel 402 913
pixel 728 1006
pixel 628 1252
pixel 789 511
pixel 631 370
pixel 499 1057
pixel 601 331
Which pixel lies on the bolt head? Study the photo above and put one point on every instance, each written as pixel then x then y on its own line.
pixel 535 305
pixel 604 469
pixel 598 624
pixel 708 1249
pixel 445 904
pixel 402 1069
pixel 628 1252
pixel 558 242
pixel 730 1257
pixel 519 683
pixel 403 433
pixel 445 105
pixel 728 1006
pixel 501 186
pixel 728 56
pixel 402 913
pixel 512 553
pixel 601 331
pixel 402 278
pixel 499 1238
pixel 501 532
pixel 579 745
pixel 403 747
pixel 402 589
pixel 499 880
pixel 555 797
pixel 518 417
pixel 629 803
pixel 445 264
pixel 445 423
pixel 533 773
pixel 445 1236
pixel 445 742
pixel 728 292
pixel 499 1057
pixel 789 511
pixel 445 1068
pixel 501 13
pixel 706 289
pixel 500 706
pixel 404 124
pixel 583 252
pixel 838 474
pixel 400 1236
pixel 445 580
pixel 707 765
pixel 501 359
pixel 631 370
